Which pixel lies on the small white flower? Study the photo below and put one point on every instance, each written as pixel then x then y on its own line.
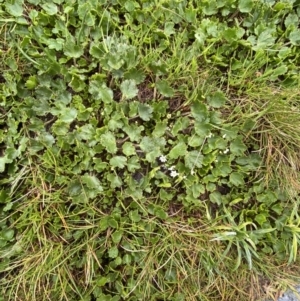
pixel 184 177
pixel 169 116
pixel 192 172
pixel 224 136
pixel 171 168
pixel 174 173
pixel 226 151
pixel 163 159
pixel 216 160
pixel 210 135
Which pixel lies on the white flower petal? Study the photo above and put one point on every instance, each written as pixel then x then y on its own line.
pixel 163 159
pixel 174 173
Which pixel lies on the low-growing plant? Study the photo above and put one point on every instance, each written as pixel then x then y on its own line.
pixel 148 150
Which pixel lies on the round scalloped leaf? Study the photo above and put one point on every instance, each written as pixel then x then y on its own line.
pixel 237 179
pixel 108 140
pixel 145 111
pixel 217 100
pixel 129 89
pixel 164 88
pixel 14 7
pixel 118 161
pixel 178 150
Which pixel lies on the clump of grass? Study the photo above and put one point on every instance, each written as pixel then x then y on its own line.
pixel 178 259
pixel 269 114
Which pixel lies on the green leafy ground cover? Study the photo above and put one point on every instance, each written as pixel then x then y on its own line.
pixel 149 150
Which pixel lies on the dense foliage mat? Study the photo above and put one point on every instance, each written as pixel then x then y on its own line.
pixel 149 149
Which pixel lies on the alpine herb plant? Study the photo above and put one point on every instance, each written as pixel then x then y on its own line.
pixel 149 150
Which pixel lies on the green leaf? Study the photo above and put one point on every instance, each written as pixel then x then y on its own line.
pixel 129 89
pixel 233 34
pixel 277 208
pixel 92 182
pixel 8 234
pixel 108 140
pixel 71 49
pixel 14 7
pixel 137 75
pixel 130 6
pixel 265 40
pixel 133 164
pixel 268 197
pixel 178 150
pixel 74 188
pixel 50 8
pixel 210 8
pixel 200 36
pixel 217 100
pixel 193 159
pixel 199 111
pixel 149 144
pixel 191 15
pixel 278 71
pixel 145 111
pixel 245 6
pixel 195 140
pixel 127 259
pixel 77 84
pixel 135 216
pixel 115 181
pixel 134 131
pixel 117 261
pixel 7 207
pixel 237 179
pixel 151 156
pixel 169 28
pixel 68 115
pixel 237 146
pixel 222 169
pixel 100 91
pixel 261 218
pixel 216 197
pixel 295 37
pixel 164 88
pixel 117 236
pixel 160 129
pixel 160 213
pixel 180 124
pixel 4 197
pixel 12 64
pixel 31 83
pixel 118 161
pixel 99 165
pixel 113 252
pixel 112 223
pixel 128 149
pixel 56 44
pixel 102 281
pixel 96 51
pixel 105 94
pixel 202 129
pixel 64 98
pixel 291 20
